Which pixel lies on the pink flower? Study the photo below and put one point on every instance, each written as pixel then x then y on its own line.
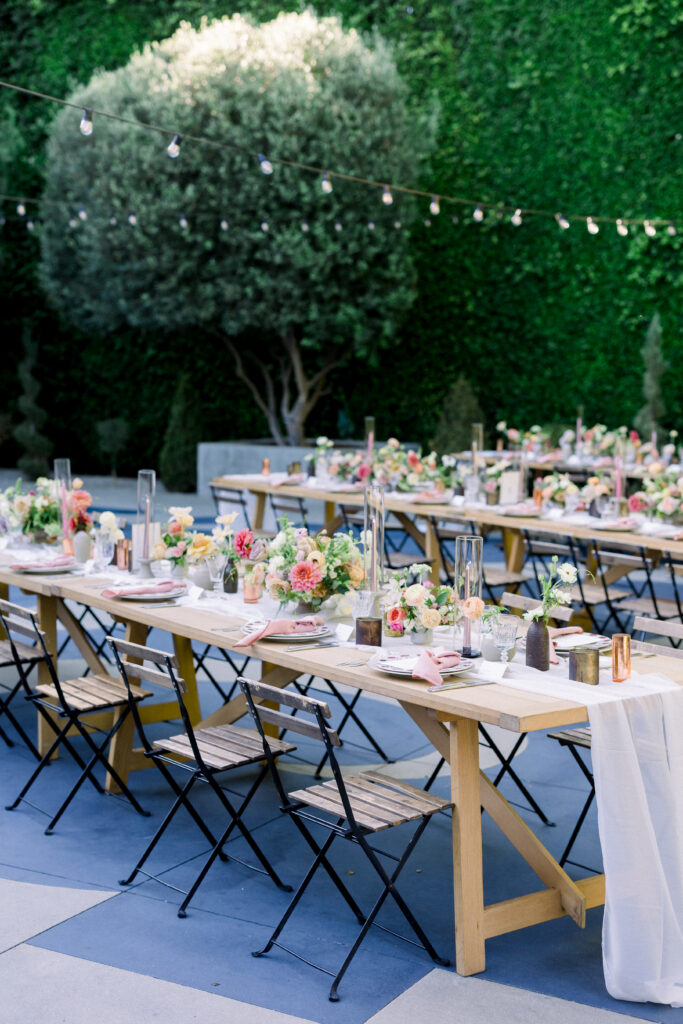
pixel 413 459
pixel 305 576
pixel 79 501
pixel 363 471
pixel 513 434
pixel 637 502
pixel 395 617
pixel 174 527
pixel 633 437
pixel 175 552
pixel 472 608
pixel 243 542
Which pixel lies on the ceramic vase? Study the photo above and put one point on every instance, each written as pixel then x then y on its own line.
pixel 230 577
pixel 82 545
pixel 538 646
pixel 421 636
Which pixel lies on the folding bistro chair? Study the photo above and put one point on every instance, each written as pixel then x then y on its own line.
pixel 71 701
pixel 29 657
pixel 205 755
pixel 228 499
pixel 289 507
pixel 575 739
pixel 357 807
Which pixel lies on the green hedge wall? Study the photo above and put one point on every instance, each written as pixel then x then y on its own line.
pixel 565 107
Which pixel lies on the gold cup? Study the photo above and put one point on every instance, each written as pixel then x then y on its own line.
pixel 369 631
pixel 584 666
pixel 621 657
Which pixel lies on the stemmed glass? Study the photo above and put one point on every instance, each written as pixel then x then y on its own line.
pixel 504 636
pixel 216 564
pixel 104 550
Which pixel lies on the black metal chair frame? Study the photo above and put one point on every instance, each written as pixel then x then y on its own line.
pixel 539 549
pixel 8 694
pixel 230 496
pixel 299 813
pixel 283 505
pixel 588 775
pixel 164 674
pixel 200 666
pixel 70 719
pixel 604 554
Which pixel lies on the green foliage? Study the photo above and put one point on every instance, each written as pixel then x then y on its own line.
pixel 112 438
pixel 459 411
pixel 178 458
pixel 35 446
pixel 649 418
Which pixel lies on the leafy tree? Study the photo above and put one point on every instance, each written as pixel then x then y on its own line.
pixel 112 438
pixel 294 279
pixel 649 417
pixel 178 458
pixel 36 447
pixel 459 411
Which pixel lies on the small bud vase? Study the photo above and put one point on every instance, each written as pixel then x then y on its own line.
pixel 82 545
pixel 538 646
pixel 421 636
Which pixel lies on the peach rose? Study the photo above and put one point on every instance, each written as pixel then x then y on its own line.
pixel 415 595
pixel 472 608
pixel 430 618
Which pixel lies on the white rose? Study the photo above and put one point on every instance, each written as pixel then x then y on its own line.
pixel 107 521
pixel 567 573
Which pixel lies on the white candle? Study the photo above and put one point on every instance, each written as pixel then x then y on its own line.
pixel 474 457
pixel 145 543
pixel 466 626
pixel 373 555
pixel 371 442
pixel 618 486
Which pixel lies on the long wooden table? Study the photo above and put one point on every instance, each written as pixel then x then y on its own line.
pixel 512 527
pixel 449 720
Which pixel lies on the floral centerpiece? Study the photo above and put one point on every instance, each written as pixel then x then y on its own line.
pixel 594 488
pixel 222 534
pixel 36 513
pixel 511 434
pixel 351 467
pixel 176 539
pixel 556 589
pixel 108 523
pixel 78 502
pixel 557 487
pixel 301 568
pixel 405 469
pixel 420 607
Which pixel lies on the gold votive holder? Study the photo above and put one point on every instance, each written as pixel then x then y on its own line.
pixel 251 593
pixel 369 631
pixel 122 554
pixel 293 468
pixel 621 657
pixel 584 666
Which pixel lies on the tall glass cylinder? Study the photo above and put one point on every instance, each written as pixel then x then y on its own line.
pixel 373 537
pixel 147 482
pixel 468 583
pixel 477 444
pixel 369 437
pixel 62 476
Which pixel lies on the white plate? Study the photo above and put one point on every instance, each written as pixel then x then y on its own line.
pixel 405 664
pixel 168 595
pixel 292 638
pixel 49 570
pixel 576 640
pixel 616 527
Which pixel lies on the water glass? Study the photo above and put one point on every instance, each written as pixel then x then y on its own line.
pixel 504 633
pixel 105 545
pixel 216 565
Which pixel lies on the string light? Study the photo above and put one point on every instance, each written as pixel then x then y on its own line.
pixel 182 220
pixel 132 219
pixel 21 209
pixel 338 226
pixel 397 225
pixel 650 229
pixel 622 228
pixel 434 207
pixel 82 214
pixel 326 184
pixel 266 165
pixel 224 225
pixel 304 226
pixel 86 125
pixel 173 148
pixel 371 225
pixel 478 215
pixel 671 229
pixel 516 218
pixel 387 197
pixel 29 225
pixel 265 226
pixel 592 226
pixel 562 221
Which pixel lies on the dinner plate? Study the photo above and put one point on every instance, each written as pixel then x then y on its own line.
pixel 292 638
pixel 578 640
pixel 404 664
pixel 168 595
pixel 522 511
pixel 615 526
pixel 48 570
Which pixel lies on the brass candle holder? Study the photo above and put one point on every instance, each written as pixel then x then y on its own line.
pixel 584 666
pixel 621 657
pixel 369 631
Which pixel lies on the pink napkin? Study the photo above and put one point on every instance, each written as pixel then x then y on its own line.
pixel 556 631
pixel 277 480
pixel 626 523
pixel 433 497
pixel 428 665
pixel 164 587
pixel 52 564
pixel 292 626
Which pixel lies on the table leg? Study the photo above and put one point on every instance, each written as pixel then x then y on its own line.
pixel 433 552
pixel 468 883
pixel 259 509
pixel 121 746
pixel 515 548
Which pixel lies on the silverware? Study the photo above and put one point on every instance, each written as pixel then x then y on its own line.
pixel 310 647
pixel 350 663
pixel 160 604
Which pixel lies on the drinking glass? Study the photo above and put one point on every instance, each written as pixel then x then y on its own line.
pixel 105 546
pixel 504 636
pixel 571 503
pixel 216 564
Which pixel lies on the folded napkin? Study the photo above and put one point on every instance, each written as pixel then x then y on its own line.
pixel 432 497
pixel 50 564
pixel 428 665
pixel 307 625
pixel 278 479
pixel 555 632
pixel 164 587
pixel 626 523
pixel 526 508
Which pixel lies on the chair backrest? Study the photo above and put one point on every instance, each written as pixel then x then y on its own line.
pixel 671 630
pixel 226 498
pixel 610 553
pixel 17 619
pixel 309 721
pixel 549 544
pixel 286 505
pixel 560 613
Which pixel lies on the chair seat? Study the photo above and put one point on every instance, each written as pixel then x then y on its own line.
pixel 25 652
pixel 377 801
pixel 504 577
pixel 581 737
pixel 666 608
pixel 223 746
pixel 92 693
pixel 594 593
pixel 401 559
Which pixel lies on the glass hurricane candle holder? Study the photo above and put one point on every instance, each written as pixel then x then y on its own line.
pixel 468 582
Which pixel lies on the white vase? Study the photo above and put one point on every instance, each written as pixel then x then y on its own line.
pixel 421 636
pixel 200 576
pixel 82 545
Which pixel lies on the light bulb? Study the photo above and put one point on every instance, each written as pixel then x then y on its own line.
pixel 326 184
pixel 304 225
pixel 337 225
pixel 387 197
pixel 173 148
pixel 434 206
pixel 266 165
pixel 224 225
pixel 397 225
pixel 516 218
pixel 650 229
pixel 132 219
pixel 113 221
pixel 29 225
pixel 21 209
pixel 671 229
pixel 427 222
pixel 622 228
pixel 182 220
pixel 562 221
pixel 478 214
pixel 82 215
pixel 371 225
pixel 86 124
pixel 264 225
pixel 73 223
pixel 592 226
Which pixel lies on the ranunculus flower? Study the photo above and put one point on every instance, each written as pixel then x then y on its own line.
pixel 316 558
pixel 395 616
pixel 243 543
pixel 159 550
pixel 430 618
pixel 79 500
pixel 305 576
pixel 202 546
pixel 637 502
pixel 472 607
pixel 363 471
pixel 278 589
pixel 667 506
pixel 415 595
pixel 174 528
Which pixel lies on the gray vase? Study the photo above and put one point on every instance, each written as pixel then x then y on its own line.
pixel 538 646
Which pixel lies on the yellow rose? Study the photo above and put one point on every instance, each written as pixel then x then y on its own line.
pixel 430 618
pixel 415 595
pixel 316 558
pixel 202 546
pixel 356 573
pixel 159 550
pixel 182 514
pixel 228 519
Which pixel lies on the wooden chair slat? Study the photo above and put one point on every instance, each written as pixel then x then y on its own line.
pixel 393 810
pixel 25 652
pixel 146 653
pixel 405 787
pixel 153 675
pixel 581 737
pixel 660 627
pixel 332 806
pixel 292 700
pixel 177 746
pixel 560 613
pixel 242 737
pixel 622 558
pixel 408 801
pixel 296 724
pixel 18 610
pixel 658 649
pixel 20 626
